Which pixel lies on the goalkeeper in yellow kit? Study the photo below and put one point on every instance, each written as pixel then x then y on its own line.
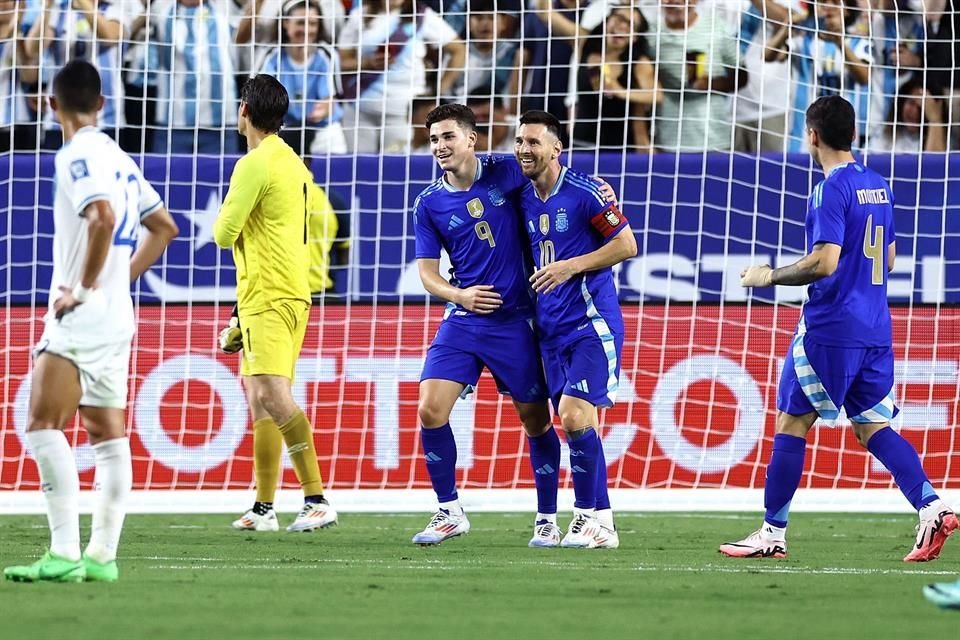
pixel 264 219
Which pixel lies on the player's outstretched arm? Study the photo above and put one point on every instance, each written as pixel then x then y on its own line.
pixel 619 248
pixel 161 230
pixel 100 221
pixel 480 298
pixel 818 264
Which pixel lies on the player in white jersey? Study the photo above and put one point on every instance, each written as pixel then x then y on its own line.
pixel 82 359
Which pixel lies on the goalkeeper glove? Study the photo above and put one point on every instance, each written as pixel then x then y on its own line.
pixel 231 338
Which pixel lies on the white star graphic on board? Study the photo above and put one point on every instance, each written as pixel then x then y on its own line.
pixel 203 220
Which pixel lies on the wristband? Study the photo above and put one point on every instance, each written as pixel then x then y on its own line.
pixel 81 293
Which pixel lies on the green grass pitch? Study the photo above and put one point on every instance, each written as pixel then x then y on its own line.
pixel 193 577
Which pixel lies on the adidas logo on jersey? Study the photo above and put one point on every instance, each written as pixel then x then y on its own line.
pixel 581 386
pixel 432 457
pixel 454 222
pixel 545 470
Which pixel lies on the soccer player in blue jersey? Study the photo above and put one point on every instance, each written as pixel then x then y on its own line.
pixel 576 236
pixel 842 353
pixel 469 212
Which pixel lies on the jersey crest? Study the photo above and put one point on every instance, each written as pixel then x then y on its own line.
pixel 544 223
pixel 78 169
pixel 475 208
pixel 561 223
pixel 496 197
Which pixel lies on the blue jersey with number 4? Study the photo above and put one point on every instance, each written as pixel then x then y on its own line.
pixel 480 229
pixel 574 220
pixel 853 208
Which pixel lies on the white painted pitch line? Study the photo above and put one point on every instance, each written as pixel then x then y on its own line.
pixel 215 564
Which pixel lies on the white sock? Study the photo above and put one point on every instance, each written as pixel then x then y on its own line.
pixel 113 481
pixel 605 516
pixel 774 533
pixel 453 508
pixel 549 517
pixel 587 512
pixel 60 484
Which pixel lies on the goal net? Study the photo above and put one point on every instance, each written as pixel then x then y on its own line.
pixel 692 111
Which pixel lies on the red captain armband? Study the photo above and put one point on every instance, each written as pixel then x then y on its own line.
pixel 608 221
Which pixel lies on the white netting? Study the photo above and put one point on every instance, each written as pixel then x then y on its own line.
pixel 725 87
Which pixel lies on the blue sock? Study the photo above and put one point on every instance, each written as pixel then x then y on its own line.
pixel 583 466
pixel 545 460
pixel 440 454
pixel 901 459
pixel 603 497
pixel 783 477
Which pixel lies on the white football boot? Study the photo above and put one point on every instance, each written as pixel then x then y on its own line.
pixel 546 535
pixel 250 521
pixel 314 515
pixel 442 526
pixel 937 523
pixel 607 537
pixel 582 533
pixel 759 544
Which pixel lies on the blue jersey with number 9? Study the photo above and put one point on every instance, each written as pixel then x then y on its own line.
pixel 852 208
pixel 480 228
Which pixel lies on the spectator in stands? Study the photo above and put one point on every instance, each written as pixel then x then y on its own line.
pixel 197 92
pixel 258 29
pixel 761 108
pixel 899 32
pixel 551 33
pixel 916 122
pixel 384 48
pixel 140 84
pixel 453 12
pixel 93 30
pixel 16 129
pixel 490 82
pixel 943 62
pixel 616 85
pixel 310 72
pixel 827 60
pixel 697 64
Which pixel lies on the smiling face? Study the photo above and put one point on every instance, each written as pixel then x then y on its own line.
pixel 535 148
pixel 451 144
pixel 620 27
pixel 302 26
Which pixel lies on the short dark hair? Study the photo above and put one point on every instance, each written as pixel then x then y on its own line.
pixel 77 87
pixel 834 120
pixel 267 102
pixel 461 113
pixel 545 118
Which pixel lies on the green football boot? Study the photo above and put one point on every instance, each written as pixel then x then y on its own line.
pixel 49 568
pixel 100 571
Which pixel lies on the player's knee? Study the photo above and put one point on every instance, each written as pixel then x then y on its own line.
pixel 433 413
pixel 574 418
pixel 535 419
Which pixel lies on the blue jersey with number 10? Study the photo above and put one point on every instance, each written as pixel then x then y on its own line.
pixel 853 208
pixel 481 230
pixel 573 221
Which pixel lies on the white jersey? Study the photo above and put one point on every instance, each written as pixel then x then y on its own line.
pixel 89 168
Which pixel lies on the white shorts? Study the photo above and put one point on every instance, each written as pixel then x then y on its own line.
pixel 104 366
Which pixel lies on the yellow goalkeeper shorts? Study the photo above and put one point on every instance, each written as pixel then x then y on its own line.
pixel 272 339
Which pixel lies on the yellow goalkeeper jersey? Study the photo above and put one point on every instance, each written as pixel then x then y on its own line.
pixel 323 228
pixel 264 218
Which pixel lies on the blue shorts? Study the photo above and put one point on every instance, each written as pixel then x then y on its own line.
pixel 824 378
pixel 461 350
pixel 587 368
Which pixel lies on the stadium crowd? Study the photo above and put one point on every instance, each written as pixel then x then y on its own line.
pixel 674 75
